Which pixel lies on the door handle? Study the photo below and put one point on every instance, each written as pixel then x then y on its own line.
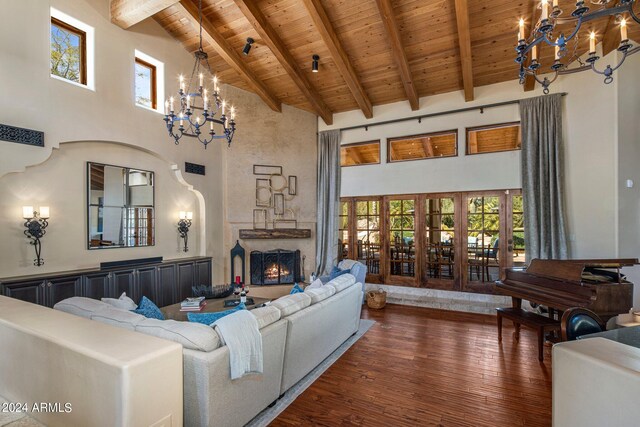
pixel 510 248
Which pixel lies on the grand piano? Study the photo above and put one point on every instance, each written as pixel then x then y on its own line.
pixel 560 284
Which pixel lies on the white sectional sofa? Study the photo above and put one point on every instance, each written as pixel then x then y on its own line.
pixel 298 332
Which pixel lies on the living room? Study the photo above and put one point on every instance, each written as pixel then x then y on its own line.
pixel 326 102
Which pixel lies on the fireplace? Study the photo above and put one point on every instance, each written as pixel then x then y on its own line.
pixel 275 267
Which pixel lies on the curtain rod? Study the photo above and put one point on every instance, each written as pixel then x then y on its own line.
pixel 441 113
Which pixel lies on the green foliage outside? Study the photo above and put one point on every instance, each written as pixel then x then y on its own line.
pixel 65 54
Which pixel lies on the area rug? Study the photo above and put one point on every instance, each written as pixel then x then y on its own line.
pixel 270 414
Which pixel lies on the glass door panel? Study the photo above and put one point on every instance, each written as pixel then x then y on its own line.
pixel 367 245
pixel 401 235
pixel 343 229
pixel 519 245
pixel 483 238
pixel 439 240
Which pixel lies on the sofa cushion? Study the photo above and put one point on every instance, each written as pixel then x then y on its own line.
pixel 342 282
pixel 194 336
pixel 266 315
pixel 346 264
pixel 123 303
pixel 320 294
pixel 117 317
pixel 289 304
pixel 148 309
pixel 209 318
pixel 81 306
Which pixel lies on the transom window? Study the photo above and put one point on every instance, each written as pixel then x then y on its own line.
pixel 145 84
pixel 68 52
pixel 426 146
pixel 361 153
pixel 494 138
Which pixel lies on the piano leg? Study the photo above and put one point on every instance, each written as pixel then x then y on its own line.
pixel 516 303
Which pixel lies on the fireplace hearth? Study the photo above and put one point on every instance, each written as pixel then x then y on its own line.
pixel 275 267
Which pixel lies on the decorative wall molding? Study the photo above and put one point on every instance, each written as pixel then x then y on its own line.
pixel 21 135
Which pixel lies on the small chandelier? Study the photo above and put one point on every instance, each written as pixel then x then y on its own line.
pixel 198 106
pixel 551 16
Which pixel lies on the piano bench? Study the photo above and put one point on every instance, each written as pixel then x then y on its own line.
pixel 541 324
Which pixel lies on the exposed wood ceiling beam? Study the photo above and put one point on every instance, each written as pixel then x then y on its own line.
pixel 427 147
pixel 189 10
pixel 340 58
pixel 355 156
pixel 393 33
pixel 269 36
pixel 530 81
pixel 125 13
pixel 464 40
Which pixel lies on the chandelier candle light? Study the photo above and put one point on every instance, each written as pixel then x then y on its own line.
pixel 546 30
pixel 198 105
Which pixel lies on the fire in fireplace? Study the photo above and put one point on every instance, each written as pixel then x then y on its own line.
pixel 275 267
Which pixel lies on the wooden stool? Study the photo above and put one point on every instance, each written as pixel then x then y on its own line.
pixel 541 324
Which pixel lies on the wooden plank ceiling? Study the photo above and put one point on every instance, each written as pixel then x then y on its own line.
pixel 372 52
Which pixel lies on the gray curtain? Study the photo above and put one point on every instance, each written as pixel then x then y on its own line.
pixel 542 177
pixel 328 196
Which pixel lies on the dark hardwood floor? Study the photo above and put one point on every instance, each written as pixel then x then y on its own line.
pixel 425 367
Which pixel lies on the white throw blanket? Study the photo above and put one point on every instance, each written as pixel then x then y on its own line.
pixel 239 331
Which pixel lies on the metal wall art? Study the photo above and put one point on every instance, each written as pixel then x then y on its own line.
pixel 21 135
pixel 274 192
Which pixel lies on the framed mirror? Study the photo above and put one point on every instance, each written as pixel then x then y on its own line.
pixel 120 207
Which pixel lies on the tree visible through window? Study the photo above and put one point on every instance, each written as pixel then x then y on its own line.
pixel 68 52
pixel 145 83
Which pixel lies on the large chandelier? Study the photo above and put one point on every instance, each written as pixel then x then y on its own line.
pixel 546 31
pixel 198 106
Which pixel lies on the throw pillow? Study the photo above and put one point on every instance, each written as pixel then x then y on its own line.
pixel 209 318
pixel 148 309
pixel 315 284
pixel 335 272
pixel 296 289
pixel 123 303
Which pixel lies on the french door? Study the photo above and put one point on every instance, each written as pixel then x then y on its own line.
pixel 453 241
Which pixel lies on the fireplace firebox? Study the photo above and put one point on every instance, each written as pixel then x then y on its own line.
pixel 275 267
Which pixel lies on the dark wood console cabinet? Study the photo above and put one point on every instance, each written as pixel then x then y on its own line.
pixel 164 283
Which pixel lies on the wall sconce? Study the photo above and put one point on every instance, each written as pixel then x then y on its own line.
pixel 36 223
pixel 183 227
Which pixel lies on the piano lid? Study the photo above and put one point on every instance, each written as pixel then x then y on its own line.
pixel 571 269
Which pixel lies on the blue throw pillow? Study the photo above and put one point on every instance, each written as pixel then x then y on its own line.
pixel 296 289
pixel 148 309
pixel 209 318
pixel 335 272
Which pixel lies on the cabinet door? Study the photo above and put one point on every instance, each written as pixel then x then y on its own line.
pixel 96 285
pixel 26 291
pixel 62 288
pixel 147 285
pixel 203 272
pixel 186 278
pixel 167 289
pixel 123 281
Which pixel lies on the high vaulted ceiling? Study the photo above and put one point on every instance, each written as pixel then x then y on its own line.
pixel 371 52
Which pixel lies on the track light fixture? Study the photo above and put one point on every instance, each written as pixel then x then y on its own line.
pixel 247 47
pixel 314 64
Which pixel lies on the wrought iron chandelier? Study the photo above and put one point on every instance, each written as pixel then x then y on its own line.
pixel 546 31
pixel 198 106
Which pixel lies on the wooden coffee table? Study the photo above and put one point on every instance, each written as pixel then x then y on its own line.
pixel 213 305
